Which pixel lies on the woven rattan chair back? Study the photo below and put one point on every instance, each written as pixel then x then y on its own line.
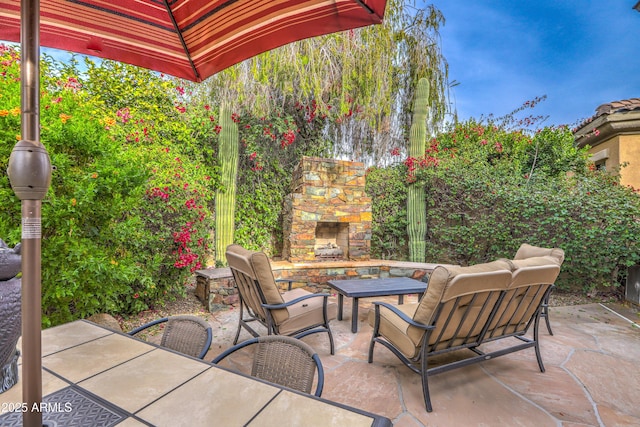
pixel 189 335
pixel 283 360
pixel 186 334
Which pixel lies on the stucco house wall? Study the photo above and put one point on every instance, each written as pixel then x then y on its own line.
pixel 613 135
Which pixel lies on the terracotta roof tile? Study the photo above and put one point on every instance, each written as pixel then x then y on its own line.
pixel 618 106
pixel 631 104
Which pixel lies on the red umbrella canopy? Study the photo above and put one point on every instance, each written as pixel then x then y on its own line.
pixel 192 39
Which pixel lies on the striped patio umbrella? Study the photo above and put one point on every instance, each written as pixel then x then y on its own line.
pixel 191 39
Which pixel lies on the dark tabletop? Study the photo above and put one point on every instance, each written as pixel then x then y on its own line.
pixel 359 288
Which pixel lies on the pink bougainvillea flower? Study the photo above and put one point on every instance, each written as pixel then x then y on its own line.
pixel 124 115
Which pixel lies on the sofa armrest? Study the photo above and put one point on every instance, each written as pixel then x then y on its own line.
pixel 400 314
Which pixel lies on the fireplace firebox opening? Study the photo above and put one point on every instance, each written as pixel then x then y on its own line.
pixel 332 240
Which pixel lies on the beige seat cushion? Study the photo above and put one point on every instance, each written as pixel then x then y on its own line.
pixel 395 329
pixel 304 313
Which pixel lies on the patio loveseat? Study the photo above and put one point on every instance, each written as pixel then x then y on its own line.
pixel 466 307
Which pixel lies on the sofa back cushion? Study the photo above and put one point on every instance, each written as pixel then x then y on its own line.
pixel 473 285
pixel 528 251
pixel 524 295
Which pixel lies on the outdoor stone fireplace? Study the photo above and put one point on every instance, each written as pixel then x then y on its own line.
pixel 327 215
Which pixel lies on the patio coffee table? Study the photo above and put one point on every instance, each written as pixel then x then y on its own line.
pixel 362 288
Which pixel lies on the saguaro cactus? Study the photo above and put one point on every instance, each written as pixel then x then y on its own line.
pixel 226 195
pixel 416 203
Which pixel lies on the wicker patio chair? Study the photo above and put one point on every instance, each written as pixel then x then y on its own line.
pixel 283 360
pixel 294 312
pixel 186 334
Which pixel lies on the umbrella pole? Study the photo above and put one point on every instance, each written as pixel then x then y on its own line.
pixel 29 171
pixel 31 218
pixel 31 318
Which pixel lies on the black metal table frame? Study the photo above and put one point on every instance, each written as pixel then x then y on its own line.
pixel 363 288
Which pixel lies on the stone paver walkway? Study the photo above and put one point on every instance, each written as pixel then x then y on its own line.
pixel 591 379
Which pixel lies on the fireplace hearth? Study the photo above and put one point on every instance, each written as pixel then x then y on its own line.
pixel 327 215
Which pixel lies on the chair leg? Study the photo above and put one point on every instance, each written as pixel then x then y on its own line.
pixel 545 314
pixel 375 333
pixel 235 341
pixel 371 344
pixel 536 336
pixel 331 345
pixel 425 384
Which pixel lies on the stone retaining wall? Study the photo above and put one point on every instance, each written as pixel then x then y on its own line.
pixel 215 287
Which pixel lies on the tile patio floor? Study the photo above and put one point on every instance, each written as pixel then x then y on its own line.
pixel 592 375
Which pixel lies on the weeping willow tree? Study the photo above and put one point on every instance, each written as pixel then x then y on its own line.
pixel 363 80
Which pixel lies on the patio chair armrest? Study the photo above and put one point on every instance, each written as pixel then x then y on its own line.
pixel 400 314
pixel 147 325
pixel 294 301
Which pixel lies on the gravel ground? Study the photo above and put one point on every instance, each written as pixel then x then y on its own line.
pixel 190 304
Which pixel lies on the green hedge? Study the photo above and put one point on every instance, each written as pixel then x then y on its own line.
pixel 489 190
pixel 124 223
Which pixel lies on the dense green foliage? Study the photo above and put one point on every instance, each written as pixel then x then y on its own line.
pixel 129 215
pixel 387 188
pixel 124 220
pixel 489 189
pixel 270 148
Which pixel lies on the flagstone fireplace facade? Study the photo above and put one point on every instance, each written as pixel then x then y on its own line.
pixel 327 215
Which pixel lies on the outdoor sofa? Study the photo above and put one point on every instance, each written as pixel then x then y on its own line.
pixel 465 307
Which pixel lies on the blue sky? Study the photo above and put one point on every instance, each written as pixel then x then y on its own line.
pixel 579 53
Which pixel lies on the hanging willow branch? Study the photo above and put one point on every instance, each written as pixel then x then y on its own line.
pixel 372 70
